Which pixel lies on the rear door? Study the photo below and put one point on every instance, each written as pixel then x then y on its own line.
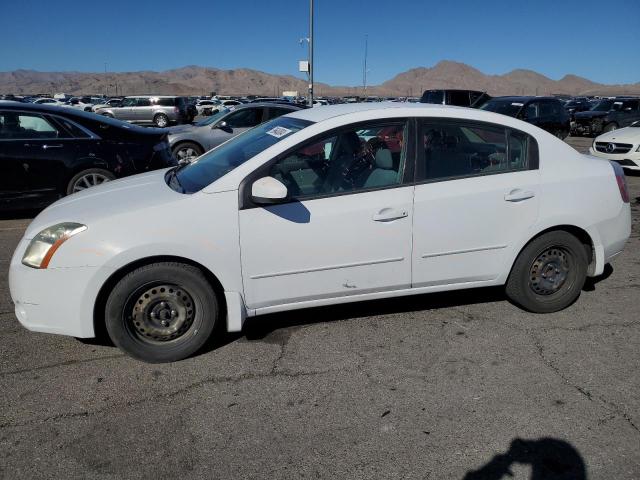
pixel 477 193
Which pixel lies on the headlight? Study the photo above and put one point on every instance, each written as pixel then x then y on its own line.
pixel 44 245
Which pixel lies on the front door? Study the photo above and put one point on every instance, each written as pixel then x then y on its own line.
pixel 478 195
pixel 346 230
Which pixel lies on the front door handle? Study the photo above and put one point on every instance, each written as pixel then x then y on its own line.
pixel 518 195
pixel 47 147
pixel 390 214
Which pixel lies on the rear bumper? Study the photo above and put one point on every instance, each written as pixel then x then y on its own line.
pixel 610 237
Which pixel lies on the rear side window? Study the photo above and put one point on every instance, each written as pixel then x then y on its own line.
pixel 166 102
pixel 459 149
pixel 460 99
pixel 21 126
pixel 71 130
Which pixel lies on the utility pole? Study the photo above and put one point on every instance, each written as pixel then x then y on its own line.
pixel 106 86
pixel 310 53
pixel 364 70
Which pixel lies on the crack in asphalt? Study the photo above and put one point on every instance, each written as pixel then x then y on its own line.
pixel 60 364
pixel 609 405
pixel 215 380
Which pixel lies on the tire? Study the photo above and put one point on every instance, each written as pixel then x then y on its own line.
pixel 89 178
pixel 162 312
pixel 161 120
pixel 610 127
pixel 187 151
pixel 549 273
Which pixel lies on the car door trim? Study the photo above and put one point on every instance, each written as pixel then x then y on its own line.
pixel 321 269
pixel 468 250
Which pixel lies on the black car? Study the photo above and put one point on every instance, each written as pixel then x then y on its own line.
pixel 547 113
pixel 460 98
pixel 578 104
pixel 47 152
pixel 607 115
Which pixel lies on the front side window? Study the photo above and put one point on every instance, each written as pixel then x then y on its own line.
pixel 350 160
pixel 14 126
pixel 459 150
pixel 128 102
pixel 245 118
pixel 532 110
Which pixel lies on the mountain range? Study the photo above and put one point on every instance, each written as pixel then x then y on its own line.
pixel 195 80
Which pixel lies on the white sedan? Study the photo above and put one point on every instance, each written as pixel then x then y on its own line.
pixel 322 206
pixel 621 146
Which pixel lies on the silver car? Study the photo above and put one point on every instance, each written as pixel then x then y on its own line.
pixel 190 141
pixel 159 110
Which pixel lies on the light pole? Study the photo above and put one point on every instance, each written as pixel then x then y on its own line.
pixel 106 85
pixel 311 53
pixel 364 70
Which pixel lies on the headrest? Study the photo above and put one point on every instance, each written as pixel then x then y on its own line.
pixel 384 159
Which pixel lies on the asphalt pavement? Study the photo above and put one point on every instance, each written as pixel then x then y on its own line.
pixel 442 386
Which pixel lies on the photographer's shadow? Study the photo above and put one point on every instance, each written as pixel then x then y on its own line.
pixel 549 459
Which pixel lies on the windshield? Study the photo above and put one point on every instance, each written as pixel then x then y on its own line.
pixel 213 118
pixel 602 106
pixel 221 160
pixel 505 107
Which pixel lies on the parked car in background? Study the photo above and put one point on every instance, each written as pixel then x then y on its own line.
pixel 207 107
pixel 47 152
pixel 46 101
pixel 460 98
pixel 112 102
pixel 159 110
pixel 621 146
pixel 190 141
pixel 575 105
pixel 83 103
pixel 303 211
pixel 607 115
pixel 547 113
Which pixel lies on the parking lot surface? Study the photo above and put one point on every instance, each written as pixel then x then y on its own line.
pixel 442 386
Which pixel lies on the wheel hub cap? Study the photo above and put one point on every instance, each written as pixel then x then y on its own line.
pixel 549 271
pixel 162 313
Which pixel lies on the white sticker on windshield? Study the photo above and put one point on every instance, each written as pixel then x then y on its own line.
pixel 517 104
pixel 279 132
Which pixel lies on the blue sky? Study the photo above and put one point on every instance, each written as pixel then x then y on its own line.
pixel 599 40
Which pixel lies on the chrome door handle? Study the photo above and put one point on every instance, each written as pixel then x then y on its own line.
pixel 518 195
pixel 389 214
pixel 47 147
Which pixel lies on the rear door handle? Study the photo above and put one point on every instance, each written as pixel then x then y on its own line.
pixel 47 147
pixel 389 214
pixel 518 195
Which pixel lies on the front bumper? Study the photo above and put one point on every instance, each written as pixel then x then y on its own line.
pixel 54 300
pixel 630 160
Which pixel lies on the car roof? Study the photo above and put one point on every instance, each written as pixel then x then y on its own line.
pixel 266 104
pixel 523 98
pixel 319 114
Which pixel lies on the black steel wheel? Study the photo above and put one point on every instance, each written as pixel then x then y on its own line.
pixel 549 273
pixel 161 312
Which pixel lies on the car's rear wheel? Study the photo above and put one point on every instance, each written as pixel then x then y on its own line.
pixel 161 120
pixel 89 178
pixel 187 151
pixel 163 312
pixel 549 273
pixel 108 115
pixel 610 127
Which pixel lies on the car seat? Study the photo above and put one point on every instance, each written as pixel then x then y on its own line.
pixel 383 174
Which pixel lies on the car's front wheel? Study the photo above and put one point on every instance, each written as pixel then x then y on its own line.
pixel 549 273
pixel 163 312
pixel 610 127
pixel 187 151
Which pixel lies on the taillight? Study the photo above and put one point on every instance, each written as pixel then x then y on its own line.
pixel 622 181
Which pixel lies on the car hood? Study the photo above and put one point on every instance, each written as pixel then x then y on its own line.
pixel 623 135
pixel 590 114
pixel 110 199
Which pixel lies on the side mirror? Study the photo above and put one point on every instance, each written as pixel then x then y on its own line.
pixel 268 191
pixel 224 126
